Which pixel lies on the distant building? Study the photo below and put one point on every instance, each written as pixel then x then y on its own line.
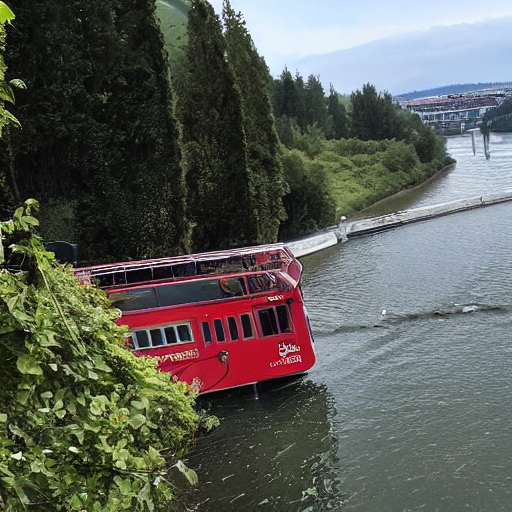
pixel 455 113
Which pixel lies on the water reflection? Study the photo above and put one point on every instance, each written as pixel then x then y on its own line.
pixel 276 452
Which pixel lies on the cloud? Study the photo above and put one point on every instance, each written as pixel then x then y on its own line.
pixel 442 55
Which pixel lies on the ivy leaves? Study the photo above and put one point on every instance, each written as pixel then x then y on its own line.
pixel 84 425
pixel 6 15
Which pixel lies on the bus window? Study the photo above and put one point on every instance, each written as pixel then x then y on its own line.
pixel 274 320
pixel 219 330
pixel 156 337
pixel 141 339
pixel 268 321
pixel 283 319
pixel 132 300
pixel 260 283
pixel 232 287
pixel 207 333
pixel 233 328
pixel 184 332
pixel 191 291
pixel 246 326
pixel 138 275
pixel 170 334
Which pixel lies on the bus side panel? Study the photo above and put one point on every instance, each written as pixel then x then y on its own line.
pixel 230 358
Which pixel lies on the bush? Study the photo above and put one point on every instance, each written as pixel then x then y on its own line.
pixel 84 425
pixel 309 204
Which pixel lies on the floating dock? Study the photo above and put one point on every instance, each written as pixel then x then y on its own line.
pixel 362 227
pixel 393 220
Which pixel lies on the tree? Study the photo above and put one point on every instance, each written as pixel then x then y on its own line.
pixel 100 140
pixel 308 204
pixel 374 116
pixel 284 96
pixel 221 196
pixel 338 116
pixel 253 79
pixel 316 104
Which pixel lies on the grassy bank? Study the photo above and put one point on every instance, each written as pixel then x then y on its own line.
pixel 361 173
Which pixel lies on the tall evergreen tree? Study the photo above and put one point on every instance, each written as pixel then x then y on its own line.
pixel 316 103
pixel 338 116
pixel 99 137
pixel 221 196
pixel 253 79
pixel 301 103
pixel 284 95
pixel 374 116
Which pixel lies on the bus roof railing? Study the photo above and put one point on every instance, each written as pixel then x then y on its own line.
pixel 248 259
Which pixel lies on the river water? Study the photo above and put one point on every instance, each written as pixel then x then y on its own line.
pixel 409 406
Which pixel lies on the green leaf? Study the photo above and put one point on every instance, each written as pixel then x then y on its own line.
pixel 75 502
pixel 20 84
pixel 98 404
pixel 137 420
pixel 189 473
pixel 5 470
pixel 121 464
pixel 6 15
pixel 28 365
pixel 23 396
pixel 77 431
pixel 17 456
pixel 124 484
pixel 138 405
pixel 123 454
pixel 3 417
pixel 6 93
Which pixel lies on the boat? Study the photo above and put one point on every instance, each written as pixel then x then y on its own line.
pixel 216 320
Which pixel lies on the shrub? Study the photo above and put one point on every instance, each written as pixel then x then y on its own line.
pixel 84 425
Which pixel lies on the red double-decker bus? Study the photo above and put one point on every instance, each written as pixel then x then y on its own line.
pixel 216 320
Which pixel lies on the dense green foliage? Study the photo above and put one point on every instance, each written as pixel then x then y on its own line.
pixel 129 164
pixel 356 157
pixel 99 139
pixel 363 172
pixel 499 119
pixel 309 203
pixel 253 79
pixel 84 425
pixel 220 184
pixel 6 95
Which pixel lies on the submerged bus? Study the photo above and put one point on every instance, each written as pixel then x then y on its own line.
pixel 215 320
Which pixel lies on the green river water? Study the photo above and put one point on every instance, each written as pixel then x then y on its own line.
pixel 404 411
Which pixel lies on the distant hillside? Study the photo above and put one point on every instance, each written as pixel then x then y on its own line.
pixel 466 53
pixel 173 15
pixel 454 89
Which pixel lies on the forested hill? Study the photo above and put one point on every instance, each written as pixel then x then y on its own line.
pixel 148 132
pixel 453 89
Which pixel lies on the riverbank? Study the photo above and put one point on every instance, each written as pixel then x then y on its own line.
pixel 335 234
pixel 369 211
pixel 367 226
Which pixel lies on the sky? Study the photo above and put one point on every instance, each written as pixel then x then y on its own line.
pixel 286 31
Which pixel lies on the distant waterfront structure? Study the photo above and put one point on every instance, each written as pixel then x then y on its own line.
pixel 456 113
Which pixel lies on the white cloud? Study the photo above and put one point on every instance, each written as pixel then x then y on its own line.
pixel 282 29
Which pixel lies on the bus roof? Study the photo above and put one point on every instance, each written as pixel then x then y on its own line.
pixel 276 257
